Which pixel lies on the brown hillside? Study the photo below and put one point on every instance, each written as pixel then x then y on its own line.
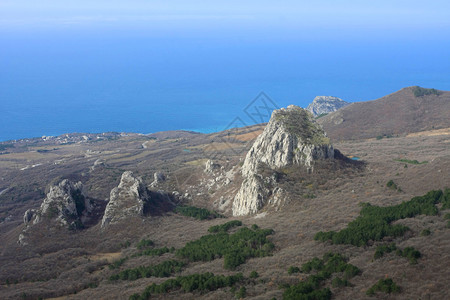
pixel 395 114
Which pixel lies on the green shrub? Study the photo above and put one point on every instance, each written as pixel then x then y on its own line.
pixel 391 184
pixel 420 91
pixel 381 249
pixel 339 282
pixel 425 232
pixel 293 270
pixel 225 227
pixel 145 244
pixel 116 264
pixel 383 285
pixel 235 248
pixel 374 222
pixel 242 293
pixel 153 252
pixel 196 212
pixel 310 288
pixel 446 199
pixel 410 253
pixel 164 269
pixel 190 283
pixel 254 275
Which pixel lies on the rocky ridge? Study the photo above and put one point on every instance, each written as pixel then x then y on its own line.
pixel 291 137
pixel 325 104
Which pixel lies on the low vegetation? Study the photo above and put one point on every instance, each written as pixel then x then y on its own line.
pixel 324 268
pixel 374 222
pixel 225 227
pixel 409 252
pixel 236 248
pixel 164 269
pixel 420 91
pixel 196 212
pixel 383 285
pixel 382 249
pixel 412 162
pixel 190 283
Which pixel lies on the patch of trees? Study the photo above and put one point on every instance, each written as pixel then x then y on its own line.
pixel 324 268
pixel 164 269
pixel 154 252
pixel 190 283
pixel 236 248
pixel 420 91
pixel 383 285
pixel 374 222
pixel 196 212
pixel 225 227
pixel 409 252
pixel 142 244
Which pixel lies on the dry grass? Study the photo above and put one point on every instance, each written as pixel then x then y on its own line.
pixel 67 262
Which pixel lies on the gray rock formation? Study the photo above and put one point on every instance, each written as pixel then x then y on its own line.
pixel 211 167
pixel 325 105
pixel 158 178
pixel 65 203
pixel 126 200
pixel 292 137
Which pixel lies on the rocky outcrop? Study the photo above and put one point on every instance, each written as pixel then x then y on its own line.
pixel 131 198
pixel 126 200
pixel 211 167
pixel 325 105
pixel 291 137
pixel 65 203
pixel 158 178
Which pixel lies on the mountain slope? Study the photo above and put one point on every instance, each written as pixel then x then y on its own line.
pixel 399 113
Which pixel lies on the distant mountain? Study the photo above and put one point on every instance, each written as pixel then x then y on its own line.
pixel 325 104
pixel 411 109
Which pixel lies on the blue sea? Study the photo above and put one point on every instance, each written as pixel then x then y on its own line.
pixel 83 81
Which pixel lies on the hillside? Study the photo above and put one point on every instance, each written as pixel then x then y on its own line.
pixel 130 216
pixel 396 114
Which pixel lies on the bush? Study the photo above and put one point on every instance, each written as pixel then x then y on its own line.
pixel 116 264
pixel 235 248
pixel 391 184
pixel 242 293
pixel 310 289
pixel 254 275
pixel 410 253
pixel 190 283
pixel 224 227
pixel 196 212
pixel 446 199
pixel 381 249
pixel 339 282
pixel 420 91
pixel 425 232
pixel 145 244
pixel 164 269
pixel 383 285
pixel 293 270
pixel 374 222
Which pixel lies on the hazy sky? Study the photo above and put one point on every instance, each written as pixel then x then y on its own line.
pixel 184 15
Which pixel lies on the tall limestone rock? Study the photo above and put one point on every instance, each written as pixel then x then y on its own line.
pixel 65 203
pixel 325 105
pixel 131 198
pixel 126 200
pixel 291 137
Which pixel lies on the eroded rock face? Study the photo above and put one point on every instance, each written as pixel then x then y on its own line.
pixel 211 167
pixel 291 137
pixel 65 203
pixel 325 105
pixel 126 200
